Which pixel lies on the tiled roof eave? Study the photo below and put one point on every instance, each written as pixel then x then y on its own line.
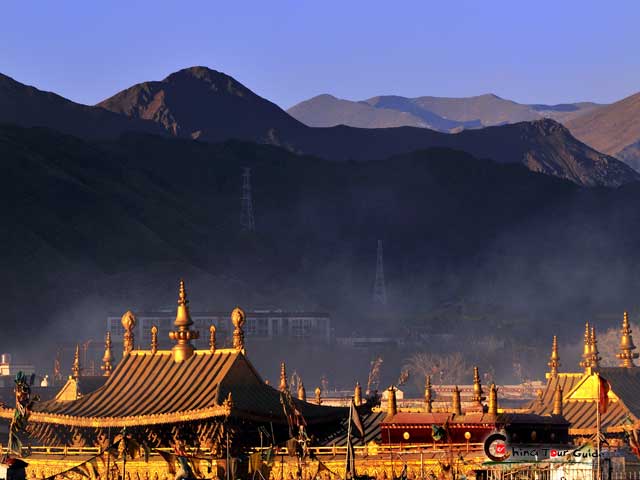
pixel 96 422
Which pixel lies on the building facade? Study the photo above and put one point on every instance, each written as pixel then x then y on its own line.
pixel 260 325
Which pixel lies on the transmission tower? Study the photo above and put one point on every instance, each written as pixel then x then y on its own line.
pixel 379 289
pixel 246 215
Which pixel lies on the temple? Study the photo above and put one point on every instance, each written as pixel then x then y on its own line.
pixel 616 389
pixel 200 398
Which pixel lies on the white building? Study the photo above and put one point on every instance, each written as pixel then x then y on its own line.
pixel 259 325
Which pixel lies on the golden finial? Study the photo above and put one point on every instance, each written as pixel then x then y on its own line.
pixel 283 377
pixel 183 349
pixel 428 395
pixel 154 339
pixel 477 387
pixel 493 400
pixel 238 318
pixel 357 394
pixel 106 366
pixel 128 323
pixel 456 405
pixel 302 393
pixel 557 401
pixel 595 355
pixel 586 351
pixel 318 393
pixel 392 404
pixel 75 368
pixel 626 355
pixel 554 360
pixel 212 338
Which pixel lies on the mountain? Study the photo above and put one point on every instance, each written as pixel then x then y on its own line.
pixel 613 129
pixel 27 106
pixel 96 227
pixel 437 113
pixel 207 105
pixel 204 104
pixel 328 111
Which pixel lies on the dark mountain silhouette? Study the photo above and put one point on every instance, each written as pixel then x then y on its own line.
pixel 613 129
pixel 437 113
pixel 94 227
pixel 27 106
pixel 201 103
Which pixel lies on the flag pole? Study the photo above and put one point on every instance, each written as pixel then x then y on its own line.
pixel 598 429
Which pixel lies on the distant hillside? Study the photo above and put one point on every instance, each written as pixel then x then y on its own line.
pixel 91 227
pixel 613 129
pixel 210 106
pixel 27 106
pixel 437 113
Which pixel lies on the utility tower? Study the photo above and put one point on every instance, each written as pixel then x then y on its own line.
pixel 246 214
pixel 379 288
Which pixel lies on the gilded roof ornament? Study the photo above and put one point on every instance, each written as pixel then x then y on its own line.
pixel 318 393
pixel 238 319
pixel 75 367
pixel 128 323
pixel 183 349
pixel 554 360
pixel 557 401
pixel 428 394
pixel 456 406
pixel 586 350
pixel 392 404
pixel 154 339
pixel 283 378
pixel 212 338
pixel 626 355
pixel 493 400
pixel 302 393
pixel 106 366
pixel 357 394
pixel 477 387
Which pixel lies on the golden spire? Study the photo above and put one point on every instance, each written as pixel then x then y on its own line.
pixel 456 406
pixel 595 355
pixel 75 368
pixel 586 351
pixel 557 401
pixel 106 366
pixel 392 404
pixel 626 355
pixel 357 394
pixel 154 339
pixel 428 395
pixel 238 318
pixel 318 393
pixel 183 349
pixel 554 360
pixel 477 387
pixel 212 338
pixel 302 393
pixel 283 377
pixel 128 321
pixel 493 400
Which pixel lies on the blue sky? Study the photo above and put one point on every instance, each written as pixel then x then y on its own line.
pixel 287 51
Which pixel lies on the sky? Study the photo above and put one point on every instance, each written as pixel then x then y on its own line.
pixel 287 51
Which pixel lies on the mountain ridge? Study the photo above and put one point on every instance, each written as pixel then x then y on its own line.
pixel 207 105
